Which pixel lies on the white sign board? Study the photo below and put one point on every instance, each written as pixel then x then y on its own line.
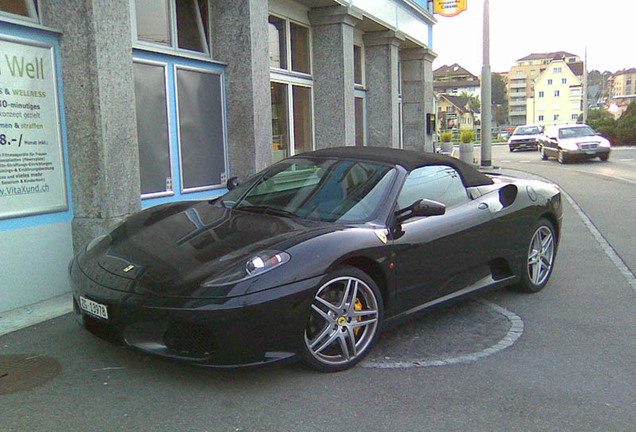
pixel 32 174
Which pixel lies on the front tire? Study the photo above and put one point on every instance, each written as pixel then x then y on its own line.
pixel 344 321
pixel 561 157
pixel 539 259
pixel 604 157
pixel 544 156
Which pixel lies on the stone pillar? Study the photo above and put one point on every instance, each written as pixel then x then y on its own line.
pixel 381 67
pixel 417 97
pixel 240 38
pixel 333 73
pixel 99 99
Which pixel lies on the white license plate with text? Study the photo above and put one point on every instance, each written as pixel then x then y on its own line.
pixel 93 308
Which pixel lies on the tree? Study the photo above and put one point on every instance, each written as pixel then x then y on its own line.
pixel 602 122
pixel 626 126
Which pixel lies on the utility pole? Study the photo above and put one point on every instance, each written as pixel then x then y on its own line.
pixel 486 95
pixel 585 87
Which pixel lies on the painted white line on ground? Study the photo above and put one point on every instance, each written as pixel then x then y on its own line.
pixel 514 333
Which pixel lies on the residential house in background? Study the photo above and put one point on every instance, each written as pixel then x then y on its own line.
pixel 521 78
pixel 558 94
pixel 455 112
pixel 455 80
pixel 622 91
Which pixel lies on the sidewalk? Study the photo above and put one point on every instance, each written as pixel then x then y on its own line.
pixel 29 315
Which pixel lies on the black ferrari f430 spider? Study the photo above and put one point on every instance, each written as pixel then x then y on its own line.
pixel 311 256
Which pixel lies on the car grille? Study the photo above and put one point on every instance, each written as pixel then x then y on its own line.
pixel 588 146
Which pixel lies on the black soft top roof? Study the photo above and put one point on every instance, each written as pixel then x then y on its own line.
pixel 407 159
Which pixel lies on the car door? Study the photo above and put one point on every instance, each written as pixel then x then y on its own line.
pixel 438 255
pixel 550 142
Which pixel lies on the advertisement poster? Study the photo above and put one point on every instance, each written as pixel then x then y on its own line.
pixel 32 174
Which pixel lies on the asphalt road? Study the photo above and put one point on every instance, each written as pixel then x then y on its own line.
pixel 559 360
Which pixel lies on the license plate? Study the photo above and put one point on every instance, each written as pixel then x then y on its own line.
pixel 93 308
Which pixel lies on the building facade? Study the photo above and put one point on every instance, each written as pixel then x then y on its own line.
pixel 521 77
pixel 622 86
pixel 455 113
pixel 558 94
pixel 120 105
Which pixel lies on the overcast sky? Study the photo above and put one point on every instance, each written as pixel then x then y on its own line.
pixel 522 27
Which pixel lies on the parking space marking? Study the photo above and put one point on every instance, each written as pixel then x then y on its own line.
pixel 514 332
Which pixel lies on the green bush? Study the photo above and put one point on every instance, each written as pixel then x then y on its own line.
pixel 621 131
pixel 446 136
pixel 468 136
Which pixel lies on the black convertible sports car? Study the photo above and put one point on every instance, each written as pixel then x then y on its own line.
pixel 311 256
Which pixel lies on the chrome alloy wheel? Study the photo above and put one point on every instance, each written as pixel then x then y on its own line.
pixel 343 323
pixel 540 255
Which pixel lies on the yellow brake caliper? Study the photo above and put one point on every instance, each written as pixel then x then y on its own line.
pixel 357 307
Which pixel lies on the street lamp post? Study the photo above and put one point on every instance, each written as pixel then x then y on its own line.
pixel 486 94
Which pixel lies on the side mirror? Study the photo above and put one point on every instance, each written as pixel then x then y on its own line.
pixel 232 183
pixel 423 207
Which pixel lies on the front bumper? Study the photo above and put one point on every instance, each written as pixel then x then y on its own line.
pixel 523 145
pixel 587 153
pixel 247 330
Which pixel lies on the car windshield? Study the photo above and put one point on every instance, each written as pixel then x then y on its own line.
pixel 318 189
pixel 527 130
pixel 576 132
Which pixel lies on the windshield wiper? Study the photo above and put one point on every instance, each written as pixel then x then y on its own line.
pixel 266 210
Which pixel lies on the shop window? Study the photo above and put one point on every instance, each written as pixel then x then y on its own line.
pixel 157 21
pixel 297 119
pixel 26 9
pixel 277 43
pixel 180 125
pixel 152 128
pixel 291 87
pixel 299 48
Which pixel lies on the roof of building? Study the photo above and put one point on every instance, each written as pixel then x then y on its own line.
pixel 445 85
pixel 460 102
pixel 454 70
pixel 576 68
pixel 625 71
pixel 557 55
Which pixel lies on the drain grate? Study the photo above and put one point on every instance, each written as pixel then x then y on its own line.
pixel 20 372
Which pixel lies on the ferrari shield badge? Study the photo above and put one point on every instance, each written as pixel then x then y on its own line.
pixel 382 236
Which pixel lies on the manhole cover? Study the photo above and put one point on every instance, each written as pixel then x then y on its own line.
pixel 19 372
pixel 458 333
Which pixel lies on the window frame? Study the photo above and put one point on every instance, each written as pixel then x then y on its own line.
pixel 187 190
pixel 32 17
pixel 173 47
pixel 178 191
pixel 291 78
pixel 171 124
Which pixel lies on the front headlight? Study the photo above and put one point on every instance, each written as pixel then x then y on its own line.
pixel 257 265
pixel 568 145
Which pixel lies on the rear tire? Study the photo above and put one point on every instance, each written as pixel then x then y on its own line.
pixel 539 258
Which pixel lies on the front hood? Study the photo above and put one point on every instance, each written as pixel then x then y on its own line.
pixel 172 249
pixel 524 137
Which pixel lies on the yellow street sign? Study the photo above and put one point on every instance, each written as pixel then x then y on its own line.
pixel 449 8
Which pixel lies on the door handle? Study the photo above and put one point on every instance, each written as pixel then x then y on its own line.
pixel 482 206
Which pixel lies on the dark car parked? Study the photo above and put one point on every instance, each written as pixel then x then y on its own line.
pixel 310 257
